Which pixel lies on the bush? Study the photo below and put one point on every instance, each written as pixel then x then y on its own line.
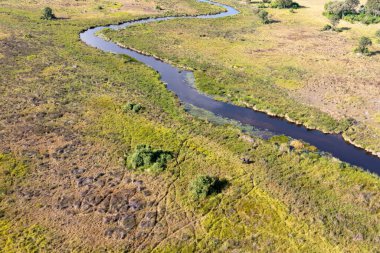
pixel 283 4
pixel 373 7
pixel 48 14
pixel 264 16
pixel 334 20
pixel 364 42
pixel 146 158
pixel 327 28
pixel 132 107
pixel 204 186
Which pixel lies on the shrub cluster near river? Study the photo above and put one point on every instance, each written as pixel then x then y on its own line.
pixel 65 134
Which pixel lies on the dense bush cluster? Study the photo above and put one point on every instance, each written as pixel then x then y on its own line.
pixel 363 18
pixel 132 107
pixel 284 4
pixel 204 186
pixel 281 4
pixel 48 14
pixel 146 158
pixel 350 11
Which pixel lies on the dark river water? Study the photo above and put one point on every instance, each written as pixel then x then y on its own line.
pixel 177 81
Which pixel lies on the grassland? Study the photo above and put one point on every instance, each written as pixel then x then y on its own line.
pixel 289 68
pixel 64 137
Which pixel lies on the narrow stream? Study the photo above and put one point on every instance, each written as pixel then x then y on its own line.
pixel 177 81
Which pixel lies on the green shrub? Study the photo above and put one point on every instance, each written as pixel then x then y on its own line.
pixel 364 43
pixel 264 16
pixel 146 158
pixel 327 28
pixel 334 20
pixel 48 14
pixel 132 107
pixel 204 186
pixel 363 18
pixel 26 239
pixel 284 4
pixel 341 8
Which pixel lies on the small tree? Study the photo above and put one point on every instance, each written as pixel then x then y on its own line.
pixel 48 14
pixel 334 20
pixel 264 16
pixel 351 5
pixel 341 8
pixel 204 186
pixel 364 43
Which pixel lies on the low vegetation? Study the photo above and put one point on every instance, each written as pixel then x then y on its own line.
pixel 30 239
pixel 132 107
pixel 11 172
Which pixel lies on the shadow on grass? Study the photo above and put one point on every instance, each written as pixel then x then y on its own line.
pixel 375 53
pixel 345 28
pixel 273 21
pixel 61 18
pixel 220 185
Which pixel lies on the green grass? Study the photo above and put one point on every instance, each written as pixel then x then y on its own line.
pixel 11 172
pixel 29 239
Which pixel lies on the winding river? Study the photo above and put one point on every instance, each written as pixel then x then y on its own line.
pixel 177 81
